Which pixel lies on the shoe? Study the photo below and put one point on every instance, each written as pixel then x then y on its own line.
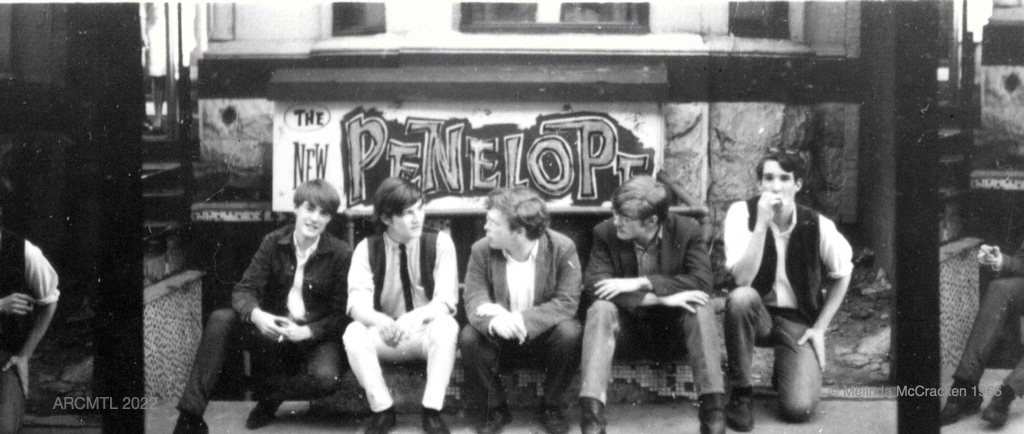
pixel 592 416
pixel 739 413
pixel 382 422
pixel 433 423
pixel 262 415
pixel 554 420
pixel 712 413
pixel 998 408
pixel 189 423
pixel 495 419
pixel 959 406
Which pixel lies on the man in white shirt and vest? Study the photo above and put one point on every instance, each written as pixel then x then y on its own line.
pixel 523 285
pixel 403 291
pixel 28 299
pixel 287 310
pixel 779 253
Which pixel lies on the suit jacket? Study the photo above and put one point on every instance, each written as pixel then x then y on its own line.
pixel 269 278
pixel 683 261
pixel 1013 265
pixel 556 288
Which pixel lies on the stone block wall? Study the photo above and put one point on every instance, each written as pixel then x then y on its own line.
pixel 712 148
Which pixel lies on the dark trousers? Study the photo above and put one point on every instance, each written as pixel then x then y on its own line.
pixel 12 399
pixel 1003 302
pixel 659 332
pixel 484 357
pixel 797 375
pixel 284 370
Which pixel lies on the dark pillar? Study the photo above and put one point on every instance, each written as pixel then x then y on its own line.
pixel 106 78
pixel 916 48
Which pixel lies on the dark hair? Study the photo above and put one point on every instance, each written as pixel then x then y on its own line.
pixel 523 208
pixel 318 192
pixel 787 161
pixel 642 197
pixel 393 196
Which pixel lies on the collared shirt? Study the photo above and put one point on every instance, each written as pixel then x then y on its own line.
pixel 392 299
pixel 296 307
pixel 521 278
pixel 648 257
pixel 40 276
pixel 835 252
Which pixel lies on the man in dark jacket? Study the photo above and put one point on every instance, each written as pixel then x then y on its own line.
pixel 288 310
pixel 649 277
pixel 522 292
pixel 1003 302
pixel 779 252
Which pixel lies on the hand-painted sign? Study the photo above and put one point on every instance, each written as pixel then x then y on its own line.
pixel 578 157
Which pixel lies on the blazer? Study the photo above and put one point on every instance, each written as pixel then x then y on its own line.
pixel 269 278
pixel 556 288
pixel 683 261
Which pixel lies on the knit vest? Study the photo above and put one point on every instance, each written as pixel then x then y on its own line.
pixel 803 261
pixel 14 329
pixel 378 263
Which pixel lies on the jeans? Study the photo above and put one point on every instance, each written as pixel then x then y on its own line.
pixel 484 357
pixel 12 399
pixel 285 370
pixel 797 375
pixel 434 342
pixel 1003 302
pixel 664 333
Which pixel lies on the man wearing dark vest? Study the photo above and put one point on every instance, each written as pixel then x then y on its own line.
pixel 28 298
pixel 523 285
pixel 649 279
pixel 287 311
pixel 403 288
pixel 779 252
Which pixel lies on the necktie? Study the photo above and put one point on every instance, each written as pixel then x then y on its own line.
pixel 403 271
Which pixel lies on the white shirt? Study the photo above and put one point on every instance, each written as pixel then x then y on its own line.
pixel 521 278
pixel 835 252
pixel 392 300
pixel 296 307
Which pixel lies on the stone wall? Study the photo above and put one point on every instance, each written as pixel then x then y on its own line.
pixel 712 148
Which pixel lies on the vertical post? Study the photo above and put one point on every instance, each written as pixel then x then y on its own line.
pixel 915 48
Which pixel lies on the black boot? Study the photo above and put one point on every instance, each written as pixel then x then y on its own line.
pixel 592 416
pixel 262 415
pixel 739 413
pixel 382 422
pixel 189 423
pixel 997 410
pixel 963 401
pixel 433 423
pixel 712 413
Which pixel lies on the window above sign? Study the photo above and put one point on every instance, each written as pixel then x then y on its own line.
pixel 554 17
pixel 350 18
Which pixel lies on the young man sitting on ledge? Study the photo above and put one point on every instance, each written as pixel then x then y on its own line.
pixel 287 311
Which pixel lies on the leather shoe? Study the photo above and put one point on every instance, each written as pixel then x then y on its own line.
pixel 739 414
pixel 554 420
pixel 959 406
pixel 433 423
pixel 189 423
pixel 592 416
pixel 382 422
pixel 262 415
pixel 495 420
pixel 997 410
pixel 712 413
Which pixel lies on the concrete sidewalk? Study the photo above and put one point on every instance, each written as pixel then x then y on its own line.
pixel 860 416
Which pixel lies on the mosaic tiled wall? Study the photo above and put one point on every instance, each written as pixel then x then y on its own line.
pixel 958 298
pixel 172 329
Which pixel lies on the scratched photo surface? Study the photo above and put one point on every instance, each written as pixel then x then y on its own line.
pixel 193 124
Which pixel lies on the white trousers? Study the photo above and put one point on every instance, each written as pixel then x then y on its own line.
pixel 434 342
